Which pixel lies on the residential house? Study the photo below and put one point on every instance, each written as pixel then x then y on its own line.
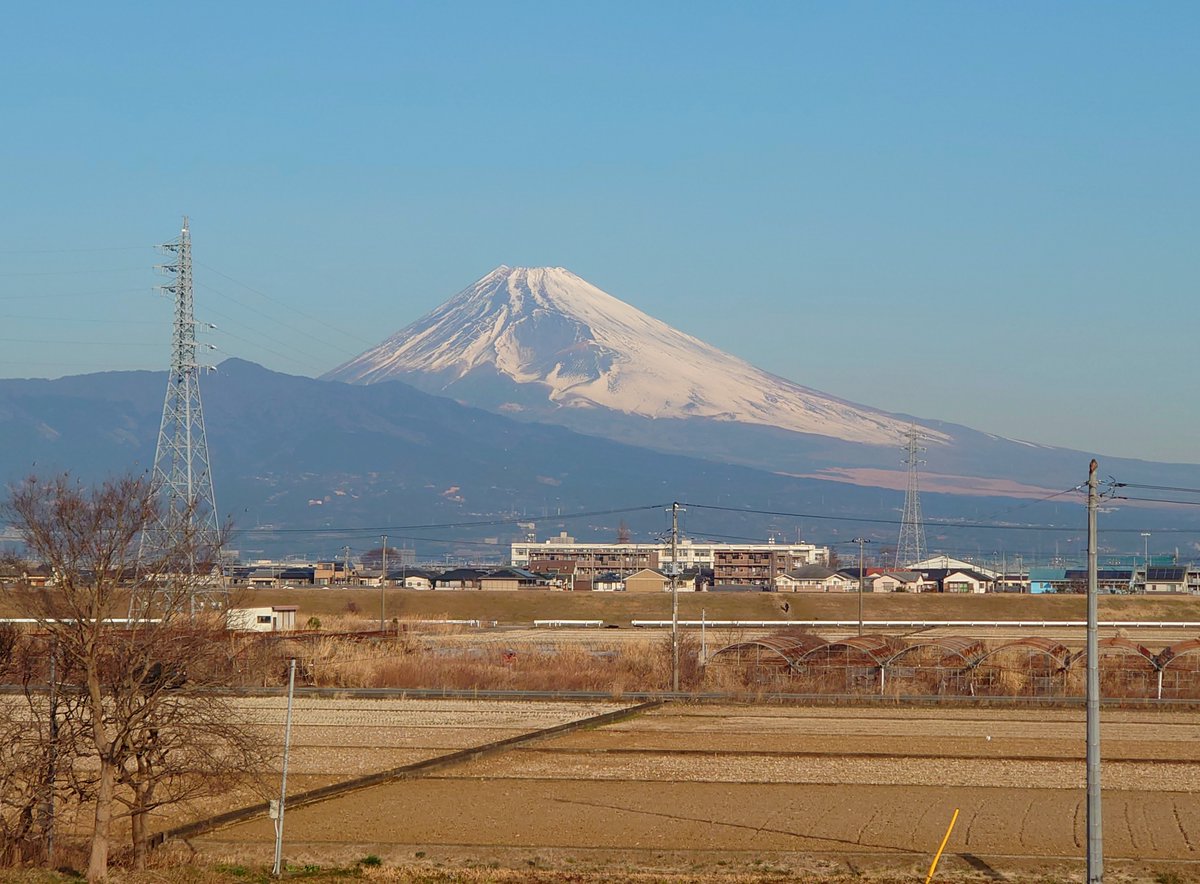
pixel 609 582
pixel 814 578
pixel 966 580
pixel 949 563
pixel 459 578
pixel 510 579
pixel 560 573
pixel 647 580
pixel 1168 580
pixel 1075 580
pixel 410 578
pixel 654 580
pixel 899 581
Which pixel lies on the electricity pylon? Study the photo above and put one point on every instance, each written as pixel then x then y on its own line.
pixel 911 546
pixel 186 530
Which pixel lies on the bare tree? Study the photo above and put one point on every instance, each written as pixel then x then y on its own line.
pixel 372 558
pixel 23 756
pixel 139 690
pixel 184 740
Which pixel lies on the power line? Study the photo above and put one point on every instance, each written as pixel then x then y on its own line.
pixel 11 273
pixel 79 343
pixel 275 320
pixel 68 295
pixel 939 525
pixel 1029 503
pixel 1155 487
pixel 483 523
pixel 324 322
pixel 257 344
pixel 82 319
pixel 73 251
pixel 1158 500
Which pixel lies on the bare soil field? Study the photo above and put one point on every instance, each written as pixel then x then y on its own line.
pixel 709 791
pixel 338 740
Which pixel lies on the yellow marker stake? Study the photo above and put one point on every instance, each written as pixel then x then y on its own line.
pixel 941 847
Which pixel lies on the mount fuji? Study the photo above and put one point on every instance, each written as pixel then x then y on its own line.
pixel 541 344
pixel 581 348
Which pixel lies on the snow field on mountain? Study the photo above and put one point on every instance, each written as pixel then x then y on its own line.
pixel 548 327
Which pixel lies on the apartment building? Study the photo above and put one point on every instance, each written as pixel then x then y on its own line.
pixel 731 563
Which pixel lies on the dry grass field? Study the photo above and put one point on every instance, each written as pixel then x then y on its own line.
pixel 711 793
pixel 525 606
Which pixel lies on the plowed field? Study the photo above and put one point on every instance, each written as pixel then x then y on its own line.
pixel 721 788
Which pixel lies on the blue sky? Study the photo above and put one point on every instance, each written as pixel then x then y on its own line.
pixel 984 213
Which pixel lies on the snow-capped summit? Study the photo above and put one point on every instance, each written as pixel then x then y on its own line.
pixel 543 330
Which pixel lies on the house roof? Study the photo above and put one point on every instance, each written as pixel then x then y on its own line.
pixel 1122 575
pixel 1175 574
pixel 940 574
pixel 462 574
pixel 401 573
pixel 513 573
pixel 902 576
pixel 812 572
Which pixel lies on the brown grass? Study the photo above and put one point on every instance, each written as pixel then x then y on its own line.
pixel 525 606
pixel 406 662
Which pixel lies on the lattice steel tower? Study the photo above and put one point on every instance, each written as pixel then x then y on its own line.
pixel 911 546
pixel 182 473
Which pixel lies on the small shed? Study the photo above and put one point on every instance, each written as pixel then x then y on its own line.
pixel 277 618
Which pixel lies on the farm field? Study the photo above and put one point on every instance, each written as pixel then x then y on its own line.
pixel 338 740
pixel 361 606
pixel 710 790
pixel 523 607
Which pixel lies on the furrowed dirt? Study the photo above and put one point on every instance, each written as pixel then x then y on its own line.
pixel 708 789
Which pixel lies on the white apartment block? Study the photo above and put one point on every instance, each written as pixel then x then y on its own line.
pixel 731 562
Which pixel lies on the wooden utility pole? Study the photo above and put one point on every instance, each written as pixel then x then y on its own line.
pixel 1095 833
pixel 860 541
pixel 383 584
pixel 675 597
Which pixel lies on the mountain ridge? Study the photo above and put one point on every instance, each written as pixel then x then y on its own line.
pixel 306 466
pixel 547 327
pixel 543 345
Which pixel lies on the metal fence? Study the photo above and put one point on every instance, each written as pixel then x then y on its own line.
pixel 959 666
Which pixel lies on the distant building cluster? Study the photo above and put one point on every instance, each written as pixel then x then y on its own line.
pixel 563 563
